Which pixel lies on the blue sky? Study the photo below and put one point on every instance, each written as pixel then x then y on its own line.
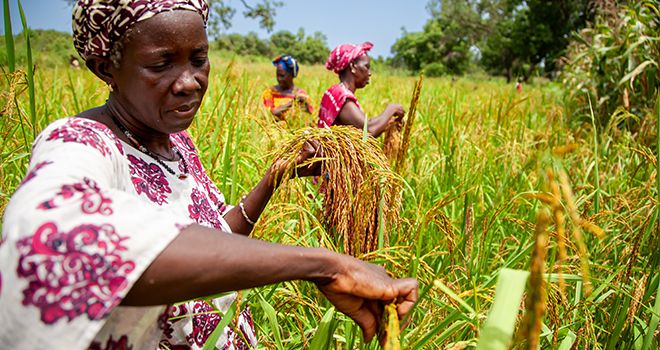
pixel 341 21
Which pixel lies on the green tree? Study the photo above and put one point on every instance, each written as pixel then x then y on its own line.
pixel 510 36
pixel 306 49
pixel 454 28
pixel 532 33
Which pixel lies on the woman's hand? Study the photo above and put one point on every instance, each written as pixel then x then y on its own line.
pixel 360 290
pixel 309 150
pixel 395 110
pixel 301 99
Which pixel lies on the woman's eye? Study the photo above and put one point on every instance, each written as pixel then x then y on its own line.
pixel 159 67
pixel 199 61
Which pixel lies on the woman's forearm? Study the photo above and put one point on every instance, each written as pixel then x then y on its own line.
pixel 203 261
pixel 279 111
pixel 254 204
pixel 377 125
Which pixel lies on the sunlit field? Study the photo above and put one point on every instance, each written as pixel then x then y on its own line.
pixel 495 179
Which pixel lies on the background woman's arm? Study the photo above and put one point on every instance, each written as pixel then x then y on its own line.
pixel 350 114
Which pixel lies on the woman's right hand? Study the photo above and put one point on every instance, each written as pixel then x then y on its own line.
pixel 360 290
pixel 395 110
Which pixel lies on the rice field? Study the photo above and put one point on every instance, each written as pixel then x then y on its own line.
pixel 523 232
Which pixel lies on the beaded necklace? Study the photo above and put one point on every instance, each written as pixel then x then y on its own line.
pixel 146 151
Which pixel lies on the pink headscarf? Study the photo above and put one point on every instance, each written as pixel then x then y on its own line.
pixel 342 55
pixel 97 24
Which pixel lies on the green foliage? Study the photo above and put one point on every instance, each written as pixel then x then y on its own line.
pixel 435 69
pixel 443 40
pixel 614 62
pixel 249 44
pixel 509 37
pixel 531 33
pixel 306 49
pixel 55 48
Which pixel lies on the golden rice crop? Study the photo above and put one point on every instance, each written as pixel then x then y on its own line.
pixel 536 295
pixel 397 135
pixel 361 193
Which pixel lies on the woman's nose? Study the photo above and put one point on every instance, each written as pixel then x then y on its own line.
pixel 186 83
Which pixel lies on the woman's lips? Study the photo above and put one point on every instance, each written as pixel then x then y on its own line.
pixel 185 111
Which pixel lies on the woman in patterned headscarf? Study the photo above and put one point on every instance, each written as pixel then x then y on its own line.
pixel 285 97
pixel 117 218
pixel 339 106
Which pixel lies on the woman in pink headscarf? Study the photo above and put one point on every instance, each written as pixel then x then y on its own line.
pixel 339 106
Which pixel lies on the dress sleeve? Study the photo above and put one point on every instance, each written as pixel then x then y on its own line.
pixel 267 99
pixel 75 239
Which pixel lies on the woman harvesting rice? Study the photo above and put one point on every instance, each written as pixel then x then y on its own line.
pixel 339 106
pixel 117 218
pixel 284 97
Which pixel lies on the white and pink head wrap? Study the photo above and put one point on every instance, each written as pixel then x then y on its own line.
pixel 342 55
pixel 98 24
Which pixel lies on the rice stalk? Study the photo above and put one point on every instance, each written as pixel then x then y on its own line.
pixel 635 300
pixel 355 177
pixel 390 329
pixel 399 161
pixel 558 216
pixel 567 193
pixel 468 232
pixel 535 301
pixel 392 141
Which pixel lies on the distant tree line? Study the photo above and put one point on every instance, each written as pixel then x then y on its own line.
pixel 514 38
pixel 306 49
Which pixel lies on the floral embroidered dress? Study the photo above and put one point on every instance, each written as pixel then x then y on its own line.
pixel 90 216
pixel 273 98
pixel 332 102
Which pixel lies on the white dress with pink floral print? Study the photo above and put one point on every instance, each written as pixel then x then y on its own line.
pixel 90 216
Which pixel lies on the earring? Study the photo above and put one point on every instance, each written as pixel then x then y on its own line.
pixel 110 87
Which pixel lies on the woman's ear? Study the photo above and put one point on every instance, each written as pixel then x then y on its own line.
pixel 101 67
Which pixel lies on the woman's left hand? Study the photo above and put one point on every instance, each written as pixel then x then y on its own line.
pixel 309 150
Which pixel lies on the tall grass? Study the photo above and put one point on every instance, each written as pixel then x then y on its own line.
pixel 476 164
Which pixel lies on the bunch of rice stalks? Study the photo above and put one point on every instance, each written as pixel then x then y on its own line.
pixel 362 195
pixel 389 330
pixel 397 136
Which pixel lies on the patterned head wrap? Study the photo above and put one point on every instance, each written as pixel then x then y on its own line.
pixel 98 24
pixel 287 63
pixel 342 55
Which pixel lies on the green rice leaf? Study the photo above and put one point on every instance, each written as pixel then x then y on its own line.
pixel 271 315
pixel 568 341
pixel 30 70
pixel 499 327
pixel 324 331
pixel 9 38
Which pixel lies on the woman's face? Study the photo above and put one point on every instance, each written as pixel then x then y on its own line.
pixel 284 78
pixel 362 68
pixel 163 71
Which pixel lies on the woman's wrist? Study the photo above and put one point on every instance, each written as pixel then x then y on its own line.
pixel 321 264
